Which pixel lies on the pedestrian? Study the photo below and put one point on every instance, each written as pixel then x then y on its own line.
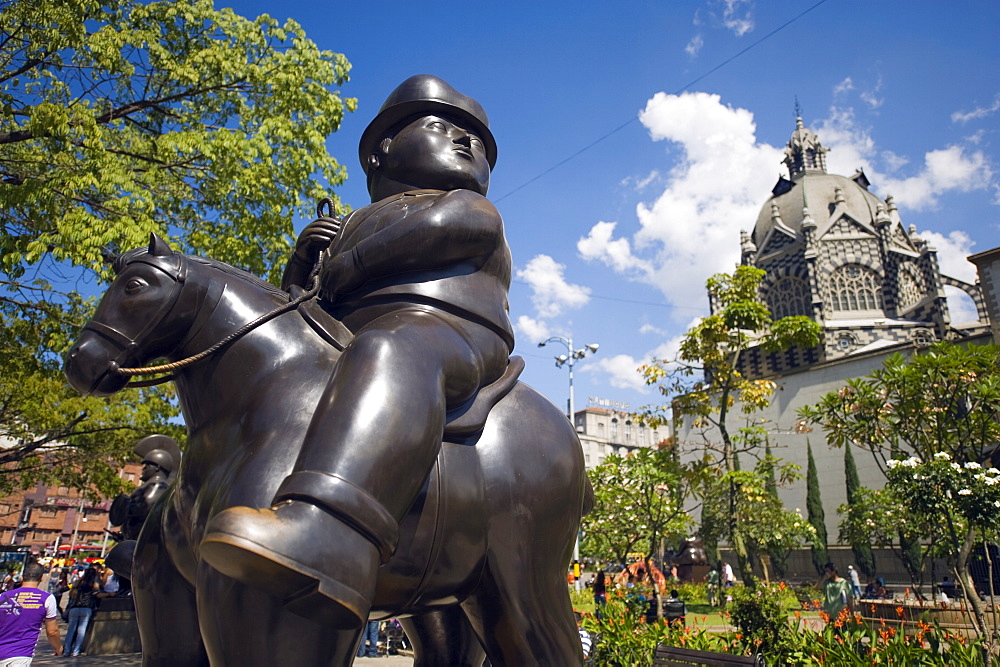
pixel 712 588
pixel 82 601
pixel 728 578
pixel 600 589
pixel 836 592
pixel 22 612
pixel 855 582
pixel 369 637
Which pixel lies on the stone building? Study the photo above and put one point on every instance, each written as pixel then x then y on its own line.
pixel 45 518
pixel 612 430
pixel 835 252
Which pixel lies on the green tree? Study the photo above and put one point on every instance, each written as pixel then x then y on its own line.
pixel 862 548
pixel 778 555
pixel 937 413
pixel 119 118
pixel 814 511
pixel 705 382
pixel 639 500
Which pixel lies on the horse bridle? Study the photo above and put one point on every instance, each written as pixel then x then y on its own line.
pixel 127 345
pixel 178 273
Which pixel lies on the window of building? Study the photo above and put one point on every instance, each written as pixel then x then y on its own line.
pixel 49 512
pixel 628 431
pixel 911 287
pixel 789 296
pixel 854 287
pixel 614 430
pixel 4 508
pixel 130 477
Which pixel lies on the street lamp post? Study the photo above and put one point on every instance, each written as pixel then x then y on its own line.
pixel 569 360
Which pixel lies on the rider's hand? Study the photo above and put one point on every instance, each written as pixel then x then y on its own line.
pixel 316 237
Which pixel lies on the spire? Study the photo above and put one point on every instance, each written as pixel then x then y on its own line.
pixel 804 153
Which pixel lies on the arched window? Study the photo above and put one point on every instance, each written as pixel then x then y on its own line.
pixel 614 429
pixel 789 296
pixel 911 287
pixel 855 287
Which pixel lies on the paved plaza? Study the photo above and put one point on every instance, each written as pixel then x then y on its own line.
pixel 44 656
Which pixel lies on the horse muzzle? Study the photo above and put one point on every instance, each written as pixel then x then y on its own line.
pixel 90 369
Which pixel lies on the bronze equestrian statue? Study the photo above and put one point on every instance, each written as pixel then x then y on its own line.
pixel 369 454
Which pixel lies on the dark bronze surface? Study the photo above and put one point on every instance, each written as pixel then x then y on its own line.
pixel 321 485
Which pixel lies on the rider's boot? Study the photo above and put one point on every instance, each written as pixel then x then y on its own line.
pixel 318 548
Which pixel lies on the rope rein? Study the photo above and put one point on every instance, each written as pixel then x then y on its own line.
pixel 239 333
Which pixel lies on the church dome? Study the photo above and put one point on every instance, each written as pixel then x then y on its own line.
pixel 810 188
pixel 820 193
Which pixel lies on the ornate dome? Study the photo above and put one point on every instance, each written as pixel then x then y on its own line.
pixel 821 193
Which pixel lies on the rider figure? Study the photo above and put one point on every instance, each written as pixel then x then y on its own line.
pixel 420 277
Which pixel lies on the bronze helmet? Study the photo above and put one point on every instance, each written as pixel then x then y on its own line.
pixel 425 93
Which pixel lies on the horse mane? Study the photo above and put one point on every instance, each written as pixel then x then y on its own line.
pixel 127 257
pixel 242 275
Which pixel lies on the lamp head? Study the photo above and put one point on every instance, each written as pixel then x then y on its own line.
pixel 592 347
pixel 560 360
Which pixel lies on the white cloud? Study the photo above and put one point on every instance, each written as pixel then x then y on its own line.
pixel 694 46
pixel 550 293
pixel 871 98
pixel 649 328
pixel 622 371
pixel 978 112
pixel 738 16
pixel 616 253
pixel 692 229
pixel 952 251
pixel 529 328
pixel 844 86
pixel 952 168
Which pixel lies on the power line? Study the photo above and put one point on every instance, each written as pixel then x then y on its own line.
pixel 676 92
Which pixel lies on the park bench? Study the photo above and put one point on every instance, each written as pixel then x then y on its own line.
pixel 675 656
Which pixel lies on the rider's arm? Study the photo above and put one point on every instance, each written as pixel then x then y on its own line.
pixel 460 227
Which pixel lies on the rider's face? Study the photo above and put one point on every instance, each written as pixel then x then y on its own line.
pixel 435 152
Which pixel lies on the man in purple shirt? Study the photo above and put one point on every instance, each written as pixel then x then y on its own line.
pixel 22 612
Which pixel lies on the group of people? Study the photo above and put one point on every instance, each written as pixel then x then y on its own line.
pixel 31 605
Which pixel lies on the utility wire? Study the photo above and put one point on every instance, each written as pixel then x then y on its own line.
pixel 676 92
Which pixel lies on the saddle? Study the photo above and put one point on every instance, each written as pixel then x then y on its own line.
pixel 463 423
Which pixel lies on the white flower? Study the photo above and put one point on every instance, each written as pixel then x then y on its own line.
pixel 990 481
pixel 965 492
pixel 972 465
pixel 996 503
pixel 993 471
pixel 892 463
pixel 943 456
pixel 956 466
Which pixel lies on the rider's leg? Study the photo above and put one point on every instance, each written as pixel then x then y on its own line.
pixel 372 442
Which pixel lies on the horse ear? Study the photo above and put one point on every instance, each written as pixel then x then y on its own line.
pixel 158 247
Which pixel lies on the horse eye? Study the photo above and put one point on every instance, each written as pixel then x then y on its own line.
pixel 134 285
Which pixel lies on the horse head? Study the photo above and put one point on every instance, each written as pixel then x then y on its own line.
pixel 131 324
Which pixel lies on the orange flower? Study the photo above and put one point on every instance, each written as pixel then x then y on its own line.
pixel 873 609
pixel 899 611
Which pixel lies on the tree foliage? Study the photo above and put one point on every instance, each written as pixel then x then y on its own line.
pixel 931 424
pixel 119 118
pixel 705 383
pixel 862 548
pixel 814 510
pixel 639 499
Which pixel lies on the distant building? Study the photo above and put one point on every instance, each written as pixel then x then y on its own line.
pixel 45 518
pixel 841 256
pixel 605 431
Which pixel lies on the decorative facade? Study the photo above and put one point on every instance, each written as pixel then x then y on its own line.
pixel 838 254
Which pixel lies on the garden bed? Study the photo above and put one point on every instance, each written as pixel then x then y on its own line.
pixel 908 615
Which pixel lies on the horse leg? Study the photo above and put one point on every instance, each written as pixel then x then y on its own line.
pixel 244 626
pixel 522 612
pixel 165 605
pixel 443 637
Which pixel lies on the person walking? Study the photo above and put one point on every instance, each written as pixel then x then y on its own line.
pixel 600 589
pixel 369 637
pixel 852 574
pixel 836 592
pixel 82 601
pixel 22 612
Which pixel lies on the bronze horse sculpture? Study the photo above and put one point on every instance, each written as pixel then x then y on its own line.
pixel 480 569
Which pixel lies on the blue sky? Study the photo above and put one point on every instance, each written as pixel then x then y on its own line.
pixel 614 244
